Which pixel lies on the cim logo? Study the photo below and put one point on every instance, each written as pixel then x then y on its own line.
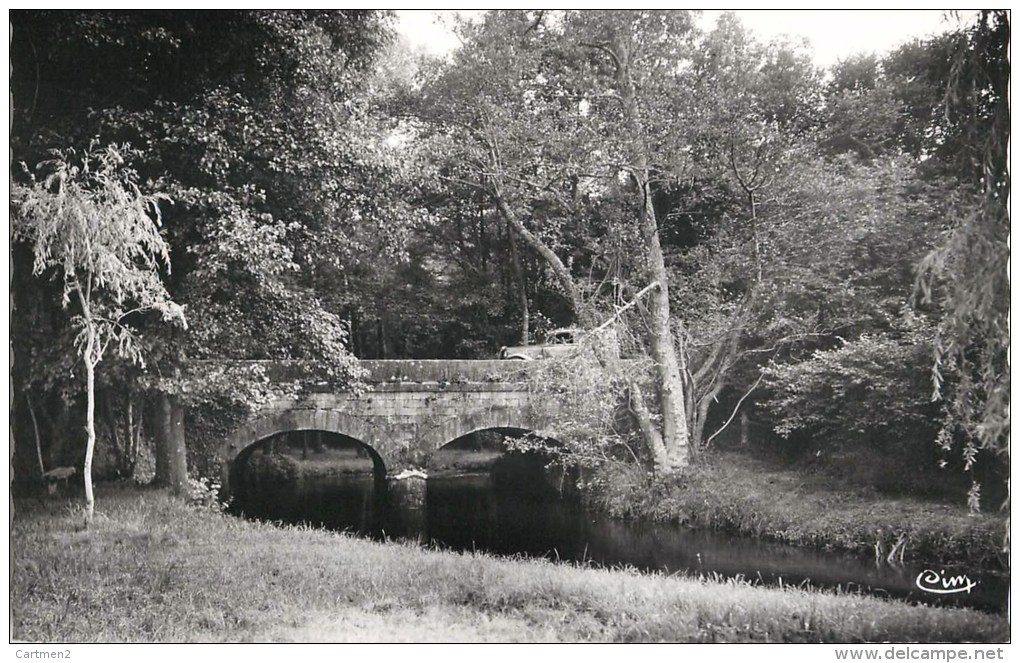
pixel 939 583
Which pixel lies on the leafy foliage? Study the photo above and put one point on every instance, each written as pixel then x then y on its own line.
pixel 966 274
pixel 251 124
pixel 88 223
pixel 205 494
pixel 337 194
pixel 587 388
pixel 869 392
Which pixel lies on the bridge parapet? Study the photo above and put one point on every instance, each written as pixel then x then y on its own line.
pixel 452 371
pixel 383 371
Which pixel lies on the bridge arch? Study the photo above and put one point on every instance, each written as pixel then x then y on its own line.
pixel 523 419
pixel 529 472
pixel 257 431
pixel 401 423
pixel 490 443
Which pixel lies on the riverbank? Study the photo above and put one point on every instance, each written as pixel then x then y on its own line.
pixel 151 569
pixel 740 494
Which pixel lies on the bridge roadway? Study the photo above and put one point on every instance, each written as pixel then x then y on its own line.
pixel 407 410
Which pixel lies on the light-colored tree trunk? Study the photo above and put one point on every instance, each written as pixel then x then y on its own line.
pixel 698 434
pixel 653 438
pixel 90 418
pixel 675 434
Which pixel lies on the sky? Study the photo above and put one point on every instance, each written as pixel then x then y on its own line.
pixel 833 34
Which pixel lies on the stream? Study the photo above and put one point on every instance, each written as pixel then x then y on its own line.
pixel 520 512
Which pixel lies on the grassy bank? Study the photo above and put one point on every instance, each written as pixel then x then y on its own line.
pixel 151 569
pixel 741 494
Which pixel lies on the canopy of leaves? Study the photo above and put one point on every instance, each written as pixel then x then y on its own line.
pixel 90 227
pixel 255 125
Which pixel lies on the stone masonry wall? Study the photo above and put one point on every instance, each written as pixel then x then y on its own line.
pixel 407 411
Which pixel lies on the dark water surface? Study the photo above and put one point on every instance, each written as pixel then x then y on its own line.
pixel 488 513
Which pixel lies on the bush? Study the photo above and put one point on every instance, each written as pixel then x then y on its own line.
pixel 205 494
pixel 584 389
pixel 872 392
pixel 863 411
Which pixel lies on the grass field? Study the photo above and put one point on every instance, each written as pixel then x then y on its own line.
pixel 150 569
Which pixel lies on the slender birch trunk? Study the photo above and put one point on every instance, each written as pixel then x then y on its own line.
pixel 90 420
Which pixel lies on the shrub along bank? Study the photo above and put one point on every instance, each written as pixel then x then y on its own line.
pixel 151 569
pixel 741 494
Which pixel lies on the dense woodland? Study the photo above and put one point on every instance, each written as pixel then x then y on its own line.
pixel 829 247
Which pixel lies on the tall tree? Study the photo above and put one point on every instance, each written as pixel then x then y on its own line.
pixel 90 226
pixel 967 272
pixel 634 53
pixel 754 105
pixel 497 128
pixel 550 113
pixel 256 124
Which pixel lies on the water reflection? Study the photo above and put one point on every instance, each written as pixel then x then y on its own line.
pixel 516 509
pixel 472 513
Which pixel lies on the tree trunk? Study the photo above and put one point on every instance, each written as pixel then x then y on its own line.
pixel 35 430
pixel 521 285
pixel 674 417
pixel 112 427
pixel 675 434
pixel 652 437
pixel 698 434
pixel 483 241
pixel 380 331
pixel 752 202
pixel 160 440
pixel 135 428
pixel 90 420
pixel 171 455
pixel 354 332
pixel 548 255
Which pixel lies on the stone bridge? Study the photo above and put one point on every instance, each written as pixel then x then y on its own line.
pixel 407 410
